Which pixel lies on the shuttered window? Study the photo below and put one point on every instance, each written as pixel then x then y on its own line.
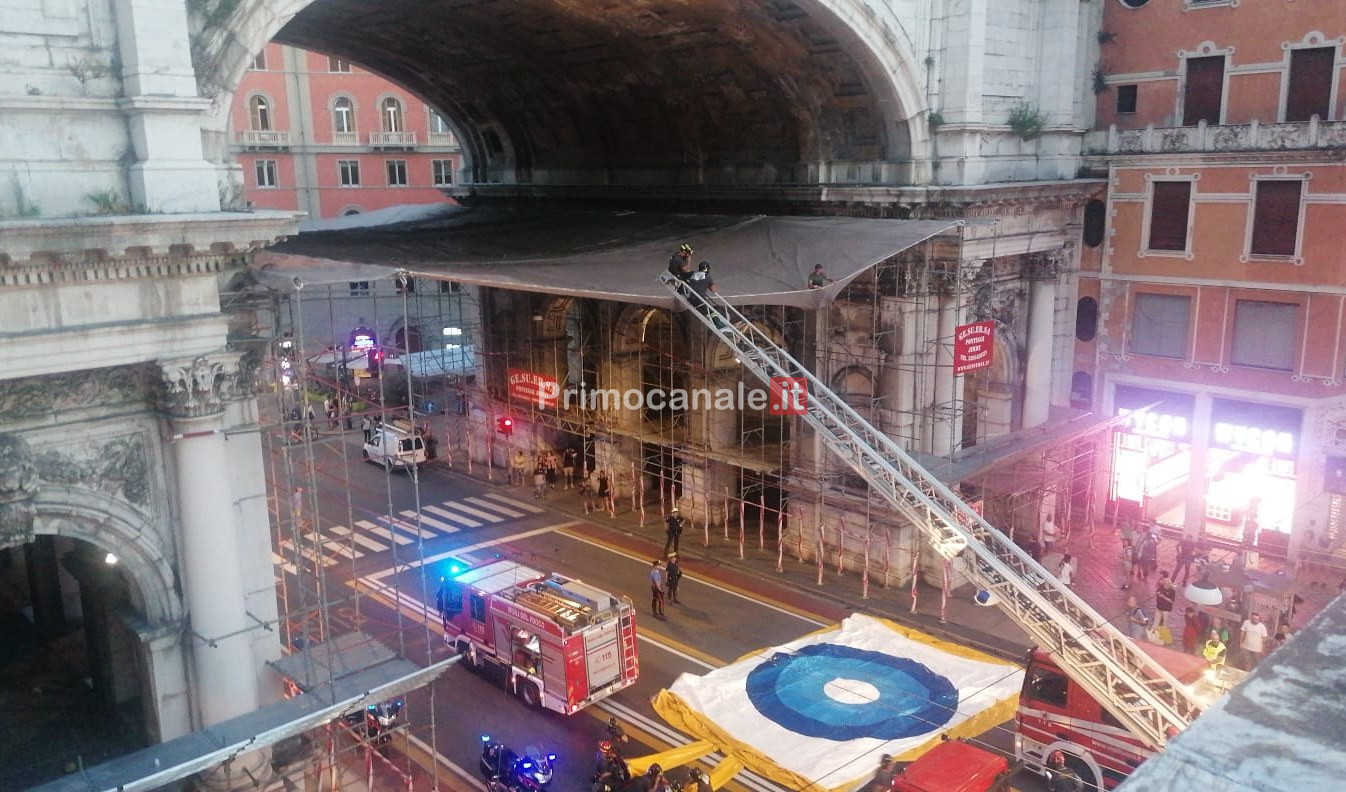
pixel 1168 215
pixel 1202 97
pixel 1159 325
pixel 1264 334
pixel 1310 90
pixel 1276 218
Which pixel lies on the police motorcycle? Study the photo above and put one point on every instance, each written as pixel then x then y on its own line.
pixel 376 722
pixel 507 771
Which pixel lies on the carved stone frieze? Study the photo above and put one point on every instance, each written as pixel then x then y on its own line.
pixel 19 483
pixel 118 466
pixel 195 387
pixel 1331 429
pixel 31 397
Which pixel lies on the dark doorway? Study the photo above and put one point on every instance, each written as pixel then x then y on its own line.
pixel 663 471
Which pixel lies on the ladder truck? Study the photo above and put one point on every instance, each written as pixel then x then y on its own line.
pixel 1145 697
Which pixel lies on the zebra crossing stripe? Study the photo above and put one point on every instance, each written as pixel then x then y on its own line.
pixel 366 525
pixel 363 541
pixel 466 522
pixel 489 505
pixel 518 504
pixel 309 553
pixel 460 506
pixel 442 527
pixel 408 526
pixel 333 546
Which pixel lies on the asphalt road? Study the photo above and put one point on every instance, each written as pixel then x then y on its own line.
pixel 382 572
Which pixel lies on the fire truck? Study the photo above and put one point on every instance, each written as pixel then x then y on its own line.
pixel 562 643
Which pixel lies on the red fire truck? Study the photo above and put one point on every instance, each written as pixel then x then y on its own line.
pixel 1056 713
pixel 562 643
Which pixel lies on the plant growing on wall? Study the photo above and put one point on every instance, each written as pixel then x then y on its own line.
pixel 86 69
pixel 935 119
pixel 1100 80
pixel 1027 121
pixel 107 202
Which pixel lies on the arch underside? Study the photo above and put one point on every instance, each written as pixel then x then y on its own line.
pixel 711 93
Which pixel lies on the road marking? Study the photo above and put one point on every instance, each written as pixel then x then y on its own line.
pixel 489 505
pixel 756 599
pixel 448 515
pixel 438 525
pixel 333 546
pixel 518 504
pixel 384 532
pixel 460 506
pixel 461 551
pixel 407 527
pixel 363 541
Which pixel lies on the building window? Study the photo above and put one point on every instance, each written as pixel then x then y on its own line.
pixel 337 65
pixel 343 115
pixel 259 62
pixel 449 287
pixel 1159 325
pixel 359 288
pixel 391 110
pixel 1126 98
pixel 1264 334
pixel 1309 92
pixel 266 173
pixel 443 172
pixel 1204 93
pixel 1095 222
pixel 259 113
pixel 349 173
pixel 1170 205
pixel 1276 217
pixel 397 173
pixel 438 124
pixel 1086 319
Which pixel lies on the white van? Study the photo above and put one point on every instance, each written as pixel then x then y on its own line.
pixel 394 447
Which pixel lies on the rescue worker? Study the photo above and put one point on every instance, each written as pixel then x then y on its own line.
pixel 680 263
pixel 883 777
pixel 658 587
pixel 616 734
pixel 611 773
pixel 673 571
pixel 702 286
pixel 701 780
pixel 818 278
pixel 1060 777
pixel 1214 651
pixel 672 531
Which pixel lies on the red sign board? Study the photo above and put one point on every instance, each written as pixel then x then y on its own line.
pixel 533 387
pixel 972 346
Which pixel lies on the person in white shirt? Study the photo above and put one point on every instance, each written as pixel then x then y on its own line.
pixel 1067 571
pixel 1253 640
pixel 1050 533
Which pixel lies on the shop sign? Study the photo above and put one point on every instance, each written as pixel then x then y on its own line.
pixel 1155 424
pixel 1254 439
pixel 973 345
pixel 532 387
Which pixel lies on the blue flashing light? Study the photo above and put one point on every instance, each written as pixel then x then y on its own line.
pixel 551 757
pixel 485 738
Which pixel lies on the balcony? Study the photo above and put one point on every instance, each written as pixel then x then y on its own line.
pixel 264 138
pixel 1203 139
pixel 443 140
pixel 401 140
pixel 345 138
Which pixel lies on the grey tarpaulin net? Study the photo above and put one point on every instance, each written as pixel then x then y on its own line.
pixel 606 255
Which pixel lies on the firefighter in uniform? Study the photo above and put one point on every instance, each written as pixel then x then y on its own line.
pixel 1060 777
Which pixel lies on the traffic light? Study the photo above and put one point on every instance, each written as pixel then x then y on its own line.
pixel 504 425
pixel 374 357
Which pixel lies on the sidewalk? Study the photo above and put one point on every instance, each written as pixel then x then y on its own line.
pixel 1098 580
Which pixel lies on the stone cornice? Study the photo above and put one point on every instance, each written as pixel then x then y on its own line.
pixel 32 246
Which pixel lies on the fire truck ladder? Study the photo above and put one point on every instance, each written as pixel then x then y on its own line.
pixel 626 627
pixel 1135 688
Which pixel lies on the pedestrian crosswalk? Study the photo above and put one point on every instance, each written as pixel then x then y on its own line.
pixel 379 533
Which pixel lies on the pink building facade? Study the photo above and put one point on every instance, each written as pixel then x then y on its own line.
pixel 1212 306
pixel 319 135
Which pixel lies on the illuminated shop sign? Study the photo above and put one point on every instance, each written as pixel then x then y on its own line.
pixel 362 338
pixel 1254 440
pixel 1155 424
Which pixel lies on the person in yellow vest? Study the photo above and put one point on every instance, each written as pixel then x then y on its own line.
pixel 1214 651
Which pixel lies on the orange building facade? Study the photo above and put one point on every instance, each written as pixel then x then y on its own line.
pixel 319 135
pixel 1212 306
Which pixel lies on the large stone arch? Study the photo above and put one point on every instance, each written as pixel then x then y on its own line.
pixel 713 93
pixel 121 529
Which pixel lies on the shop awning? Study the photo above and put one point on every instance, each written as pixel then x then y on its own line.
pixel 352 671
pixel 755 260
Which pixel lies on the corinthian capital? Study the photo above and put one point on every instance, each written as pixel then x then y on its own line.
pixel 194 387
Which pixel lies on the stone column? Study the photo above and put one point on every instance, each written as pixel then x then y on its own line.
pixel 1038 368
pixel 1194 515
pixel 163 109
pixel 947 427
pixel 225 684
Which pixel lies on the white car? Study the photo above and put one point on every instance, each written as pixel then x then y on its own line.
pixel 393 448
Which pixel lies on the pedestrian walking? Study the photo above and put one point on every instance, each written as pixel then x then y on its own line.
pixel 344 405
pixel 1165 593
pixel 518 469
pixel 329 407
pixel 672 531
pixel 1137 620
pixel 674 573
pixel 607 501
pixel 1050 534
pixel 1066 572
pixel 568 466
pixel 1191 630
pixel 367 426
pixel 658 586
pixel 1252 641
pixel 539 483
pixel 1147 554
pixel 1186 555
pixel 549 465
pixel 1282 635
pixel 1128 562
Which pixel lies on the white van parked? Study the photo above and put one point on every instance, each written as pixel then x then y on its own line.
pixel 392 447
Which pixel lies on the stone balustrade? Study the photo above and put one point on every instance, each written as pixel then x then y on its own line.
pixel 1203 138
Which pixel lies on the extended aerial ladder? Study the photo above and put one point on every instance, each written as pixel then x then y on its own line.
pixel 1141 694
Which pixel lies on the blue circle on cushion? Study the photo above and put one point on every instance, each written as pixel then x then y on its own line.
pixel 789 689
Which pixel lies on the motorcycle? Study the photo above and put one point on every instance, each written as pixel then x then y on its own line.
pixel 377 722
pixel 507 771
